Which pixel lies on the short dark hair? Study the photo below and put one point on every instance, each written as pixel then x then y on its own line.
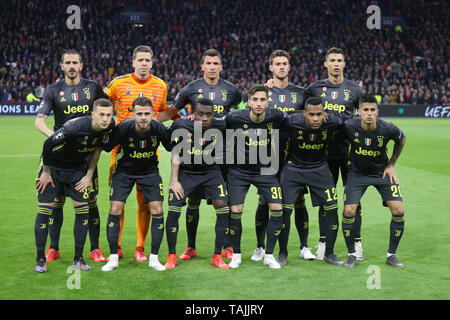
pixel 102 102
pixel 211 53
pixel 334 50
pixel 279 53
pixel 143 102
pixel 367 98
pixel 313 101
pixel 258 87
pixel 71 51
pixel 204 102
pixel 142 48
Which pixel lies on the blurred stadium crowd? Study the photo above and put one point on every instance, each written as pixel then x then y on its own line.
pixel 400 64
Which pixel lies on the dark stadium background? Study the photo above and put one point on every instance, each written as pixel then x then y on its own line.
pixel 405 62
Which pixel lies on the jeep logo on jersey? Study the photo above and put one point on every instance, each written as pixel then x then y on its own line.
pixel 282 98
pixel 212 95
pixel 75 96
pixel 368 141
pixel 334 94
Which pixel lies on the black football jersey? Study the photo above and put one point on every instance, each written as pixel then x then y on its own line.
pixel 70 102
pixel 307 147
pixel 68 146
pixel 368 149
pixel 289 99
pixel 137 154
pixel 224 95
pixel 199 149
pixel 251 136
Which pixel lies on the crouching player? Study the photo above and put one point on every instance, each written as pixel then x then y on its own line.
pixel 137 161
pixel 64 168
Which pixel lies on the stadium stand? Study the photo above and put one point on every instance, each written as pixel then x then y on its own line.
pixel 403 62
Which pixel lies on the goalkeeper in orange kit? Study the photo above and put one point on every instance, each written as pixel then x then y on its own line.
pixel 122 91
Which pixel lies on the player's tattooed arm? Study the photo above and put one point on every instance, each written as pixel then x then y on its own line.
pixel 86 181
pixel 44 180
pixel 41 125
pixel 175 185
pixel 398 147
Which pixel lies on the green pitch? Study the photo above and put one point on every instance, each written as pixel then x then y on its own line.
pixel 424 173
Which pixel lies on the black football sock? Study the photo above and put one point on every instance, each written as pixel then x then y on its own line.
pixel 157 231
pixel 41 226
pixel 349 236
pixel 55 224
pixel 112 232
pixel 332 221
pixel 94 225
pixel 358 222
pixel 172 226
pixel 273 229
pixel 397 228
pixel 261 220
pixel 192 218
pixel 80 229
pixel 285 228
pixel 236 230
pixel 322 224
pixel 302 223
pixel 222 220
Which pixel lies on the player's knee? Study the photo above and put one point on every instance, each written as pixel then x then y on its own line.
pixel 397 210
pixel 60 199
pixel 275 206
pixel 349 211
pixel 194 201
pixel 116 208
pixel 156 209
pixel 219 203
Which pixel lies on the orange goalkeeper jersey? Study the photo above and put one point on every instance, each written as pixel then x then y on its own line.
pixel 124 89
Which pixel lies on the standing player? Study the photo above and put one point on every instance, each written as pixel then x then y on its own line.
pixel 307 166
pixel 64 168
pixel 255 126
pixel 192 168
pixel 69 99
pixel 137 161
pixel 286 97
pixel 122 91
pixel 225 97
pixel 339 96
pixel 370 166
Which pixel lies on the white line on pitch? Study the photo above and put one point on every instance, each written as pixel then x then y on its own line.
pixel 19 155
